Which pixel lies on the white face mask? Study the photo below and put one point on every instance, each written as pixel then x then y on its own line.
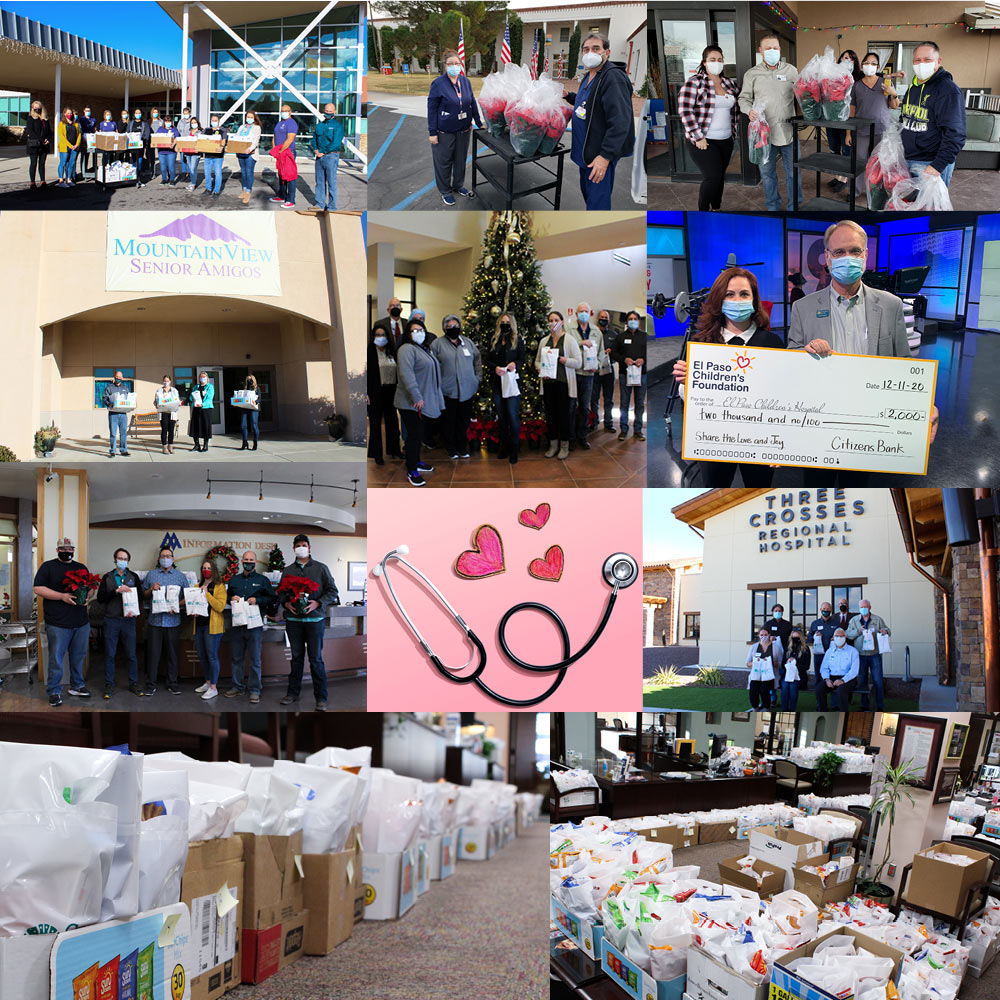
pixel 839 640
pixel 715 68
pixel 166 562
pixel 592 59
pixel 249 119
pixel 417 336
pixel 924 70
pixel 869 70
pixel 381 341
pixel 772 56
pixel 301 552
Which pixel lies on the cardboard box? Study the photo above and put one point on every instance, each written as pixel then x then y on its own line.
pixel 784 848
pixel 390 884
pixel 212 866
pixel 434 858
pixel 449 851
pixel 495 841
pixel 838 885
pixel 675 836
pixel 358 884
pixel 710 979
pixel 638 984
pixel 940 885
pixel 238 146
pixel 164 141
pixel 24 966
pixel 476 843
pixel 420 857
pixel 267 950
pixel 731 874
pixel 785 984
pixel 330 899
pixel 209 144
pixel 110 142
pixel 186 144
pixel 716 833
pixel 586 935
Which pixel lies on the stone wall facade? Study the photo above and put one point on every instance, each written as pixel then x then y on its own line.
pixel 967 614
pixel 658 581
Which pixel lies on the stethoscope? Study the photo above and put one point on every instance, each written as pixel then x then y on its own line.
pixel 620 570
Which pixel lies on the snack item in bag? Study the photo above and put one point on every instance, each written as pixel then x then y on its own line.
pixel 85 984
pixel 127 979
pixel 107 980
pixel 144 972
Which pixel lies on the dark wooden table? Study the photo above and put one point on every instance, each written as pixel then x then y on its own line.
pixel 658 795
pixel 502 148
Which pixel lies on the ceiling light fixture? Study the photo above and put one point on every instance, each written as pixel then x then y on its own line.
pixel 208 476
pixel 312 484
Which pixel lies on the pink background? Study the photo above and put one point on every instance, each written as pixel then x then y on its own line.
pixel 437 525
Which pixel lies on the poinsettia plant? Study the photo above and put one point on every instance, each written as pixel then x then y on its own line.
pixel 837 97
pixel 79 582
pixel 527 128
pixel 808 91
pixel 297 591
pixel 493 113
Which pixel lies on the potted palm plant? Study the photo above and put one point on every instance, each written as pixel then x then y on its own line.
pixel 883 810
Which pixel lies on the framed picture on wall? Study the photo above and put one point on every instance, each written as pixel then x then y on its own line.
pixel 918 741
pixel 888 724
pixel 947 780
pixel 740 716
pixel 956 740
pixel 357 573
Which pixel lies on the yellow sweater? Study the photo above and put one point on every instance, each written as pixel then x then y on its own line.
pixel 64 144
pixel 216 597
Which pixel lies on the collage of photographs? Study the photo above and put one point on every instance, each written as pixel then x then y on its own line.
pixel 497 244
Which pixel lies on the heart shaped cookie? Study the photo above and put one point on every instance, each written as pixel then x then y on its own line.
pixel 536 518
pixel 485 558
pixel 549 568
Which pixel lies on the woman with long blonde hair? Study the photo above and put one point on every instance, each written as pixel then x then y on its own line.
pixel 506 354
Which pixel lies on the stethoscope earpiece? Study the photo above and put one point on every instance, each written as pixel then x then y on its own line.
pixel 620 570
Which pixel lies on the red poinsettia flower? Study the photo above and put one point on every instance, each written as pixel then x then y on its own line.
pixel 77 578
pixel 296 587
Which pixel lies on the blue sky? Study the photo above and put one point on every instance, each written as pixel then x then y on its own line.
pixel 663 536
pixel 140 29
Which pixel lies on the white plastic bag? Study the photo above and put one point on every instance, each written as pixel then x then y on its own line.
pixel 196 601
pixel 633 375
pixel 590 358
pixel 254 617
pixel 130 603
pixel 330 794
pixel 920 194
pixel 239 609
pixel 549 363
pixel 218 772
pixel 166 599
pixel 163 848
pixel 214 810
pixel 275 805
pixel 394 811
pixel 508 384
pixel 355 760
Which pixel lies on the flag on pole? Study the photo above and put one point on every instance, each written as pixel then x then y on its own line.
pixel 461 47
pixel 534 57
pixel 505 48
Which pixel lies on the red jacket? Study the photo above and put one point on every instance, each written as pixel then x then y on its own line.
pixel 287 169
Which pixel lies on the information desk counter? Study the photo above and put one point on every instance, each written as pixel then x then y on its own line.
pixel 621 799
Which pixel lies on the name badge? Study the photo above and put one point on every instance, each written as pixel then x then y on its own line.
pixel 822 314
pixel 581 112
pixel 466 352
pixel 782 77
pixel 628 340
pixel 462 115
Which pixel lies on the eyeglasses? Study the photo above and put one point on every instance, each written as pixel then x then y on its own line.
pixel 851 252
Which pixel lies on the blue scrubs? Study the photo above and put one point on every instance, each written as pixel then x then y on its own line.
pixel 596 196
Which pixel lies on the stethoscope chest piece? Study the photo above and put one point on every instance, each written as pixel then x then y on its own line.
pixel 620 570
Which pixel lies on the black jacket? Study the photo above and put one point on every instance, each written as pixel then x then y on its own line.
pixel 387 322
pixel 803 661
pixel 782 629
pixel 374 379
pixel 501 356
pixel 142 127
pixel 629 344
pixel 610 125
pixel 107 593
pixel 36 131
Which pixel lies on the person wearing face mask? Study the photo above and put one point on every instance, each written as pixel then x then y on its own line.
pixel 710 115
pixel 202 402
pixel 70 137
pixel 589 337
pixel 764 663
pixel 604 380
pixel 254 588
pixel 506 353
pixel 168 420
pixel 168 157
pixel 115 393
pixel 732 315
pixel 842 617
pixel 451 112
pixel 932 116
pixel 328 140
pixel 870 100
pixel 119 626
pixel 393 321
pixel 839 674
pixel 820 636
pixel 283 150
pixel 183 125
pixel 382 379
pixel 163 627
pixel 192 160
pixel 305 632
pixel 250 132
pixel 461 371
pixel 559 393
pixel 208 631
pixel 67 625
pixel 88 126
pixel 418 395
pixel 139 125
pixel 107 123
pixel 249 419
pixel 38 139
pixel 795 672
pixel 863 631
pixel 603 125
pixel 630 350
pixel 213 161
pixel 780 630
pixel 771 81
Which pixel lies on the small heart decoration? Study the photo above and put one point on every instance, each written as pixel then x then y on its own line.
pixel 536 518
pixel 551 567
pixel 485 558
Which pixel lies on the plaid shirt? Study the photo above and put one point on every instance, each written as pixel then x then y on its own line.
pixel 696 101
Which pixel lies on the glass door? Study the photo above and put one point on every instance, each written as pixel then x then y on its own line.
pixel 235 378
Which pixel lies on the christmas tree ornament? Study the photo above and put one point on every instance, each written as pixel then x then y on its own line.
pixel 494 284
pixel 495 311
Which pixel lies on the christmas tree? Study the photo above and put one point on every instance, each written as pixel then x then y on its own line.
pixel 508 279
pixel 275 560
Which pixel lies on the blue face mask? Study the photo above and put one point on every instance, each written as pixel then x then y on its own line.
pixel 122 564
pixel 777 615
pixel 847 270
pixel 737 311
pixel 633 324
pixel 772 56
pixel 583 317
pixel 453 71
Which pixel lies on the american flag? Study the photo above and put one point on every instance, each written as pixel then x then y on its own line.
pixel 461 47
pixel 534 57
pixel 505 48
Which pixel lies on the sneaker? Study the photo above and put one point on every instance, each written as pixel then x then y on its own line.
pixel 464 454
pixel 454 456
pixel 424 467
pixel 288 204
pixel 125 454
pixel 623 435
pixel 207 191
pixel 54 701
pixel 321 705
pixel 149 690
pixel 173 688
pixel 639 436
pixel 448 199
pixel 233 693
pixel 466 193
pixel 108 692
pixel 135 689
pixel 277 200
pixel 212 692
pixel 111 454
pixel 202 689
pixel 289 699
pixel 415 479
pixel 80 692
pixel 254 697
pixel 584 444
pixel 139 184
pixel 190 187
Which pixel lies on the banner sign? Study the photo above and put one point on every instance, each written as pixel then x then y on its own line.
pixel 201 253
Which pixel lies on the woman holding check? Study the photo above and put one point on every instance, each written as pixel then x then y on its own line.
pixel 451 110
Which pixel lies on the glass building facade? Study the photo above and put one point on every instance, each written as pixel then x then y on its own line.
pixel 14 109
pixel 326 66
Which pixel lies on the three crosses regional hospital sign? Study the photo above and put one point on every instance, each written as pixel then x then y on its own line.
pixel 202 253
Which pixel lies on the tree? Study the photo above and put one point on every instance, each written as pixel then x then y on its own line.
pixel 402 38
pixel 388 47
pixel 449 31
pixel 508 278
pixel 373 59
pixel 574 52
pixel 516 37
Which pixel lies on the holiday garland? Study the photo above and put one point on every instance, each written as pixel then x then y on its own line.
pixel 232 563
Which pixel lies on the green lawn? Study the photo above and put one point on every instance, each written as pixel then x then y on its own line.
pixel 409 83
pixel 734 700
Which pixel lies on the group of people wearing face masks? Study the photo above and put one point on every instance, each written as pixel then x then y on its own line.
pixel 67 624
pixel 843 649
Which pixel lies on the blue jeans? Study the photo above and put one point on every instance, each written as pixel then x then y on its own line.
pixel 247 163
pixel 604 385
pixel 118 424
pixel 871 663
pixel 789 695
pixel 917 168
pixel 115 629
pixel 326 181
pixel 769 177
pixel 213 173
pixel 509 417
pixel 303 637
pixel 63 640
pixel 581 407
pixel 244 640
pixel 192 161
pixel 208 651
pixel 286 190
pixel 168 164
pixel 67 165
pixel 248 419
pixel 625 394
pixel 597 197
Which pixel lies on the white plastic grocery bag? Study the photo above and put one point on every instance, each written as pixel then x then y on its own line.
pixel 508 384
pixel 394 811
pixel 633 375
pixel 356 760
pixel 130 603
pixel 550 363
pixel 163 848
pixel 239 607
pixel 214 810
pixel 590 358
pixel 884 646
pixel 276 806
pixel 254 618
pixel 330 794
pixel 196 601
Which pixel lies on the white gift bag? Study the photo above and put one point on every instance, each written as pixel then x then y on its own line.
pixel 174 598
pixel 884 645
pixel 550 363
pixel 196 601
pixel 239 607
pixel 161 604
pixel 869 639
pixel 818 649
pixel 254 617
pixel 508 384
pixel 130 603
pixel 195 397
pixel 633 375
pixel 590 358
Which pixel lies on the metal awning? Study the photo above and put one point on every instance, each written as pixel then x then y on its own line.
pixel 921 518
pixel 982 18
pixel 236 13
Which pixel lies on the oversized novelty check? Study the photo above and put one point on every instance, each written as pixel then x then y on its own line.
pixel 773 407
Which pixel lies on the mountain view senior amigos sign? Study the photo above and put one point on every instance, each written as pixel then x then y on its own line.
pixel 205 253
